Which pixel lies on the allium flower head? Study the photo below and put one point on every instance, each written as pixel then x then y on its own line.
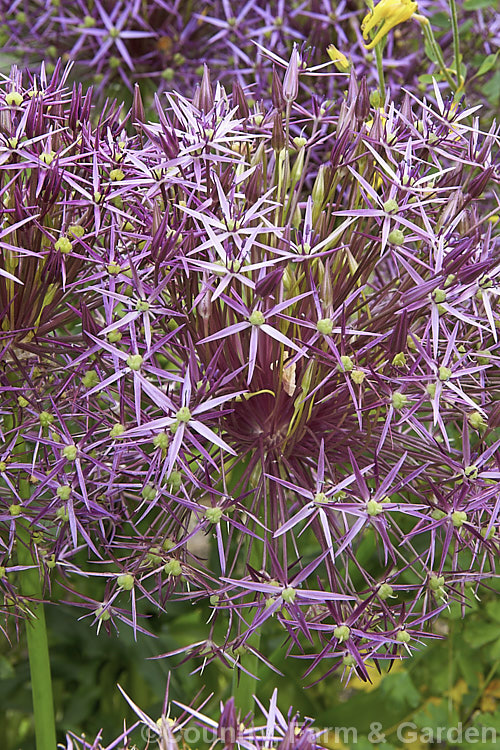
pixel 278 336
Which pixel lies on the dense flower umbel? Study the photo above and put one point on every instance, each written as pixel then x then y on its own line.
pixel 286 340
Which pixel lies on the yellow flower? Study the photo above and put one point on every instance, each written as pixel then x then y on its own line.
pixel 341 62
pixel 387 13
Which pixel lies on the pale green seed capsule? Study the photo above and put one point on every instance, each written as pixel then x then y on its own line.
pixel 76 230
pixel 444 373
pixel 134 361
pixel 390 206
pixel 324 326
pixel 63 245
pixel 103 614
pixel 436 582
pixel 342 633
pixel 62 514
pixel 70 452
pixel 114 336
pixel 161 441
pixel 148 493
pixel 173 567
pixel 396 237
pixel 175 480
pixel 45 418
pixel 64 492
pixel 257 318
pixel 471 472
pixel 385 591
pixel 403 636
pixel 476 420
pixel 213 514
pixel 320 498
pixel 357 376
pixel 439 295
pixel 458 517
pixel 90 379
pixel 437 514
pixel 399 400
pixel 117 430
pixel 373 508
pixel 125 581
pixel 288 595
pixel 347 363
pixel 183 415
pixel 47 157
pixel 399 360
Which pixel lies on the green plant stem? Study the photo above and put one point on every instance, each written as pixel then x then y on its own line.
pixel 456 44
pixel 30 586
pixel 38 648
pixel 431 40
pixel 379 48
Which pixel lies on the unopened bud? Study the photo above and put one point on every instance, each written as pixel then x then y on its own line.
pixel 204 95
pixel 318 190
pixel 278 135
pixel 362 106
pixel 291 79
pixel 298 166
pixel 240 101
pixel 138 115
